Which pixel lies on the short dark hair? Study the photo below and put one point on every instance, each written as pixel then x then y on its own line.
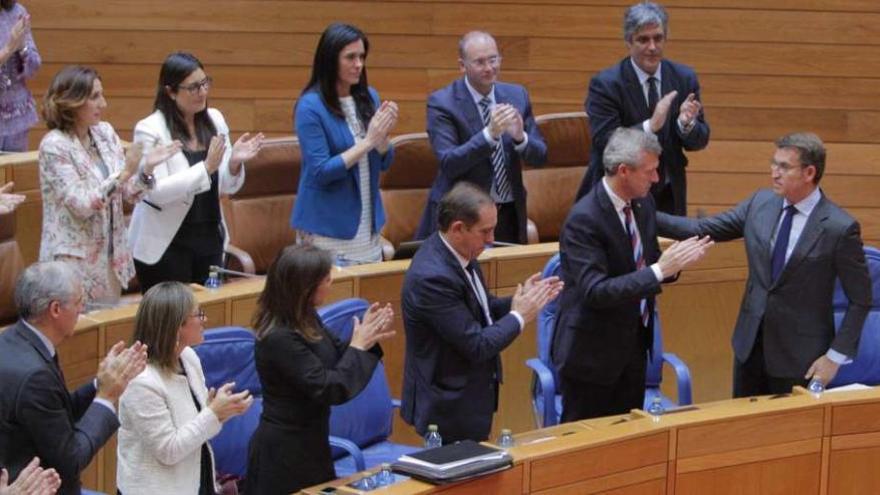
pixel 175 69
pixel 160 314
pixel 69 90
pixel 325 71
pixel 811 150
pixel 288 297
pixel 641 15
pixel 462 203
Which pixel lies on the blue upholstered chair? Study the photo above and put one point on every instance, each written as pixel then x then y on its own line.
pixel 227 355
pixel 230 446
pixel 865 367
pixel 547 401
pixel 360 428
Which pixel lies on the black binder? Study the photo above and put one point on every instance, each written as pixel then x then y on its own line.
pixel 454 462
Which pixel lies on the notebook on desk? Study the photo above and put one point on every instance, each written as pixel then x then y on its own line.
pixel 454 462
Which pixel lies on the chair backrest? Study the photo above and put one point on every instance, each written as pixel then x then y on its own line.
pixel 366 418
pixel 654 375
pixel 865 367
pixel 552 188
pixel 547 319
pixel 405 186
pixel 230 446
pixel 258 215
pixel 11 266
pixel 227 355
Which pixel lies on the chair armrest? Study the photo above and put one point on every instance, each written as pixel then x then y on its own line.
pixel 395 403
pixel 353 450
pixel 548 390
pixel 240 256
pixel 532 236
pixel 682 376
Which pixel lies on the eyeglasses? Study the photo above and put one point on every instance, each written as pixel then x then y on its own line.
pixel 195 87
pixel 200 314
pixel 493 61
pixel 783 166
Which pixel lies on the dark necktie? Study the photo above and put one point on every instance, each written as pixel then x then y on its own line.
pixel 477 285
pixel 58 368
pixel 781 246
pixel 638 256
pixel 652 94
pixel 499 169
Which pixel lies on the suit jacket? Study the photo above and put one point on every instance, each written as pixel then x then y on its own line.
pixel 795 311
pixel 80 205
pixel 39 417
pixel 155 221
pixel 451 366
pixel 616 99
pixel 328 200
pixel 162 433
pixel 455 128
pixel 301 380
pixel 599 321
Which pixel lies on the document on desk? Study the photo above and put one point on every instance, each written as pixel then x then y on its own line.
pixel 847 388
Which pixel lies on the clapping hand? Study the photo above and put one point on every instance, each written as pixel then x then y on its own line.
pixel 118 368
pixel 17 35
pixel 661 111
pixel 502 117
pixel 381 124
pixel 533 294
pixel 216 149
pixel 375 327
pixel 689 110
pixel 160 153
pixel 32 480
pixel 226 404
pixel 9 201
pixel 246 147
pixel 133 156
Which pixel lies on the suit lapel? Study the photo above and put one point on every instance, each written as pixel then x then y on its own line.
pixel 634 89
pixel 27 334
pixel 767 219
pixel 468 106
pixel 452 262
pixel 621 238
pixel 813 230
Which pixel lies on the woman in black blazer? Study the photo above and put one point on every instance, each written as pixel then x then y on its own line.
pixel 304 370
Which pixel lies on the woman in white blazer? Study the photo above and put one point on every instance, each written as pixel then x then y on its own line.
pixel 84 177
pixel 166 413
pixel 177 231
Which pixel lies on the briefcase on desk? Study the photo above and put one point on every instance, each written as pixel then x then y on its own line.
pixel 454 462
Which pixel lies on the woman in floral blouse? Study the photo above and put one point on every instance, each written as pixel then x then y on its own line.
pixel 84 176
pixel 19 61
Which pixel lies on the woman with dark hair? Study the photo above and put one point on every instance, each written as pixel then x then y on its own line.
pixel 167 414
pixel 84 177
pixel 304 370
pixel 343 133
pixel 19 61
pixel 177 232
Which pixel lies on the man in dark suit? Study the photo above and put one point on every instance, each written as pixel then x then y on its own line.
pixel 481 131
pixel 456 329
pixel 658 96
pixel 798 243
pixel 38 416
pixel 612 269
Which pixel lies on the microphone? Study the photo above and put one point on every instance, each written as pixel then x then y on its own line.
pixel 226 271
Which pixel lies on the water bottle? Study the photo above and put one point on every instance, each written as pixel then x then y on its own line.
pixel 213 281
pixel 505 441
pixel 385 476
pixel 816 387
pixel 656 408
pixel 366 482
pixel 433 438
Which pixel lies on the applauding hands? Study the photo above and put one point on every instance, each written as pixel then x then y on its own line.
pixel 533 294
pixel 32 480
pixel 381 125
pixel 226 404
pixel 375 327
pixel 9 201
pixel 118 368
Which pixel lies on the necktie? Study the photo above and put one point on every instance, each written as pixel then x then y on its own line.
pixel 478 290
pixel 499 169
pixel 58 368
pixel 636 242
pixel 781 246
pixel 652 94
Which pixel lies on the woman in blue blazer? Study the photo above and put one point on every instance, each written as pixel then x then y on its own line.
pixel 344 136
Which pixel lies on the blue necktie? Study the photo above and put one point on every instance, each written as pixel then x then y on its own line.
pixel 778 260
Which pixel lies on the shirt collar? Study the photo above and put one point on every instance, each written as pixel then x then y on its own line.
pixel 476 95
pixel 45 340
pixel 616 200
pixel 461 259
pixel 643 76
pixel 807 204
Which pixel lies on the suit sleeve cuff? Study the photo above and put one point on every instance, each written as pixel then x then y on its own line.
pixel 106 403
pixel 657 272
pixel 646 126
pixel 837 357
pixel 519 148
pixel 488 137
pixel 519 318
pixel 684 130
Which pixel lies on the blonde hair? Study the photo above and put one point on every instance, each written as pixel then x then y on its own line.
pixel 70 89
pixel 161 313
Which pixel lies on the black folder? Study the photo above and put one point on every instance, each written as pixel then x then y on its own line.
pixel 454 462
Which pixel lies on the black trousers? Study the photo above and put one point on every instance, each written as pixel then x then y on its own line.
pixel 179 263
pixel 507 228
pixel 584 400
pixel 750 378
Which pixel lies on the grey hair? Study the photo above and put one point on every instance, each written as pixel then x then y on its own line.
pixel 641 15
pixel 42 283
pixel 468 37
pixel 626 146
pixel 811 150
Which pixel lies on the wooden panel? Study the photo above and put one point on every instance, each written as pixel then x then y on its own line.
pixel 799 474
pixel 746 456
pixel 215 313
pixel 243 311
pixel 857 418
pixel 748 432
pixel 647 480
pixel 117 331
pixel 598 461
pixel 78 356
pixel 515 271
pixel 854 471
pixel 509 481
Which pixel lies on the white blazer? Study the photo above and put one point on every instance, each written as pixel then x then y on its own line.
pixel 156 220
pixel 161 434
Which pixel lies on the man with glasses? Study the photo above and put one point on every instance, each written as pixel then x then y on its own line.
pixel 798 244
pixel 38 416
pixel 481 130
pixel 649 93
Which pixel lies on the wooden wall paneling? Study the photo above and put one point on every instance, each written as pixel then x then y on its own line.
pixel 852 471
pixel 790 474
pixel 509 481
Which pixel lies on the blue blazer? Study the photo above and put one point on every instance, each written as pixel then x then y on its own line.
pixel 328 200
pixel 455 129
pixel 452 365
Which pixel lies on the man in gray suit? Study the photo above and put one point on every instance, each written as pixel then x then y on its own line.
pixel 798 243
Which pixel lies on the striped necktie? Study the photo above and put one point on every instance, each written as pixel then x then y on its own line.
pixel 502 182
pixel 635 241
